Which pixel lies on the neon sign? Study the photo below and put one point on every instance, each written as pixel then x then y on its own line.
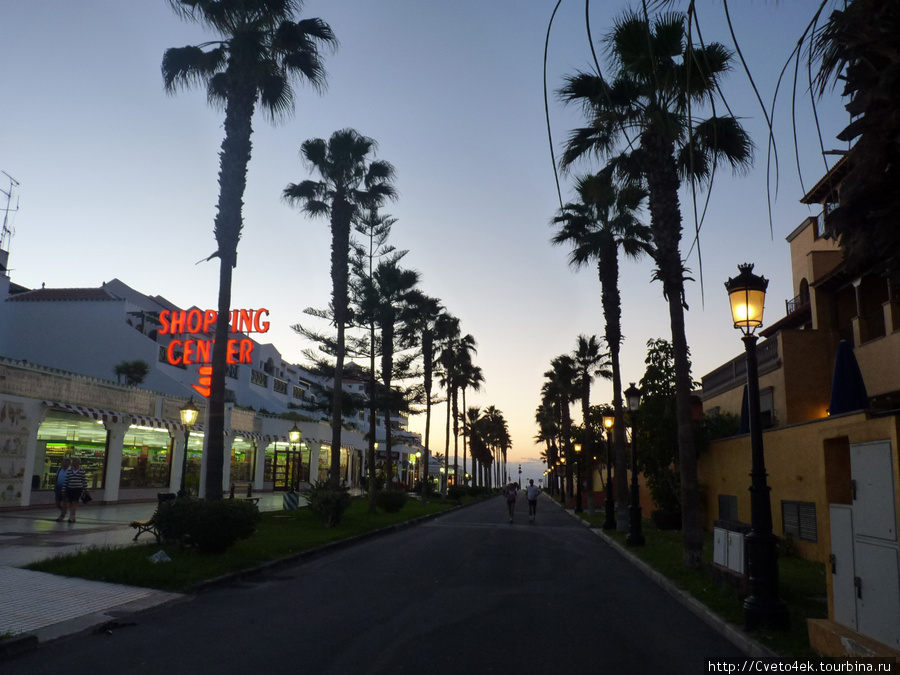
pixel 199 351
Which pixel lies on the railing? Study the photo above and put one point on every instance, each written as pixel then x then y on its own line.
pixel 259 378
pixel 735 371
pixel 872 325
pixel 280 386
pixel 796 303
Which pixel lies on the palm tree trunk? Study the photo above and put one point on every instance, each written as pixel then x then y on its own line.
pixel 340 253
pixel 371 481
pixel 233 162
pixel 427 356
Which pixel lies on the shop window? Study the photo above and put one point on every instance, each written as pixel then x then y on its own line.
pixel 146 458
pixel 68 435
pixel 243 454
pixel 798 519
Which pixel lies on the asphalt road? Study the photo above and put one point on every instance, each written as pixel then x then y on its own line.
pixel 466 593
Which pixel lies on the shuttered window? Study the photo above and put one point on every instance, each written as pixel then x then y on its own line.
pixel 799 520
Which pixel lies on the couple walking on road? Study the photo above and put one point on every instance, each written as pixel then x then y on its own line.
pixel 531 493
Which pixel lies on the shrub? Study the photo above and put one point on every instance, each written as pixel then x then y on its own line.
pixel 209 526
pixel 328 504
pixel 457 492
pixel 391 501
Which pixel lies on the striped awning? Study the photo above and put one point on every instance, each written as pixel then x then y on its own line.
pixel 93 413
pixel 252 435
pixel 156 422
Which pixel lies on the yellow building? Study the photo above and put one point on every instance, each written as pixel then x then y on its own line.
pixel 833 474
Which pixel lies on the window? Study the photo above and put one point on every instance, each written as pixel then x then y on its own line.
pixel 798 519
pixel 728 507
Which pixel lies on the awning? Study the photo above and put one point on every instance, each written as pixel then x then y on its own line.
pixel 252 435
pixel 171 425
pixel 93 413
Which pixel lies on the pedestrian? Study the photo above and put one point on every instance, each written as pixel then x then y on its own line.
pixel 76 483
pixel 532 492
pixel 59 488
pixel 511 500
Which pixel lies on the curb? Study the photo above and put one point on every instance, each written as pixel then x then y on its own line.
pixel 729 631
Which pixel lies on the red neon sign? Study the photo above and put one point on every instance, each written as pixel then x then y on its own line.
pixel 199 351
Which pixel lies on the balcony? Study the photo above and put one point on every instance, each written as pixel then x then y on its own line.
pixel 734 372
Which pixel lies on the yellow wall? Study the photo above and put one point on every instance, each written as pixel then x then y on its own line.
pixel 805 462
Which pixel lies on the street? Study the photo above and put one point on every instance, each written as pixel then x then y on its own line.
pixel 464 592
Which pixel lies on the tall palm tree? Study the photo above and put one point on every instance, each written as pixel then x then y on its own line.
pixel 428 318
pixel 548 433
pixel 393 289
pixel 591 362
pixel 470 424
pixel 262 50
pixel 560 387
pixel 598 224
pixel 459 364
pixel 472 378
pixel 350 181
pixel 450 333
pixel 659 80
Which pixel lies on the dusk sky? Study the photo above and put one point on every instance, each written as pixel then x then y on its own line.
pixel 118 179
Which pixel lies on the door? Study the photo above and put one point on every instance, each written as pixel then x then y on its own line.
pixel 286 471
pixel 878 592
pixel 843 571
pixel 874 506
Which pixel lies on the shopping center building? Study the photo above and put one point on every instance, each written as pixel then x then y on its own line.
pixel 59 349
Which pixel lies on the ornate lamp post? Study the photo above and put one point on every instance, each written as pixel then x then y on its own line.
pixel 763 607
pixel 635 536
pixel 577 473
pixel 610 522
pixel 294 437
pixel 189 415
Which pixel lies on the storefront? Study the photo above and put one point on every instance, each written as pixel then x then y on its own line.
pixel 286 465
pixel 64 434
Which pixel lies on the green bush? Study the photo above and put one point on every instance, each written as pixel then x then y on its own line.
pixel 209 526
pixel 457 492
pixel 391 501
pixel 328 504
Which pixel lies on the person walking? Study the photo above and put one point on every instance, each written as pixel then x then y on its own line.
pixel 59 488
pixel 76 484
pixel 511 500
pixel 532 492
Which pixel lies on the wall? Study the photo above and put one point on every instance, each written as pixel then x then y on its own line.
pixel 805 462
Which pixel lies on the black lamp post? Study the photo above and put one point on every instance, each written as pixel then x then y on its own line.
pixel 610 522
pixel 577 473
pixel 763 607
pixel 294 437
pixel 635 536
pixel 189 415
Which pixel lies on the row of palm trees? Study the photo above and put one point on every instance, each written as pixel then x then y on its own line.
pixel 641 122
pixel 261 50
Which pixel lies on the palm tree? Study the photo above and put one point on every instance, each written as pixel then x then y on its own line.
pixel 350 181
pixel 590 362
pixel 262 50
pixel 548 433
pixel 456 357
pixel 428 318
pixel 597 225
pixel 472 378
pixel 560 388
pixel 659 79
pixel 470 424
pixel 393 289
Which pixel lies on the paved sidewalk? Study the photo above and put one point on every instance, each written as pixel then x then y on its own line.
pixel 48 606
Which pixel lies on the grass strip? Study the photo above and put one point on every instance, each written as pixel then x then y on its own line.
pixel 801 585
pixel 280 534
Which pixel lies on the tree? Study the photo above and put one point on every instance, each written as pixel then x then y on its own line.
pixel 427 318
pixel 859 46
pixel 659 81
pixel 560 387
pixel 387 298
pixel 472 378
pixel 548 433
pixel 596 226
pixel 134 372
pixel 350 181
pixel 590 362
pixel 456 361
pixel 262 50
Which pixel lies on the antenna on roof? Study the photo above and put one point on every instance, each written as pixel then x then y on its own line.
pixel 7 231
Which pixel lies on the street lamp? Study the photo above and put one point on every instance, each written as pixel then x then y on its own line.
pixel 189 414
pixel 577 473
pixel 610 522
pixel 635 536
pixel 294 437
pixel 763 607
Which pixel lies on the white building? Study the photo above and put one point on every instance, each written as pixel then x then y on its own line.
pixel 58 353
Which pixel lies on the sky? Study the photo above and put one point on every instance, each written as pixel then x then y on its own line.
pixel 117 179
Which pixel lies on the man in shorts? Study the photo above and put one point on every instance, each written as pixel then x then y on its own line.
pixel 532 492
pixel 59 489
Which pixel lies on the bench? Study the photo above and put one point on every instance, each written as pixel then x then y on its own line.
pixel 249 497
pixel 150 524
